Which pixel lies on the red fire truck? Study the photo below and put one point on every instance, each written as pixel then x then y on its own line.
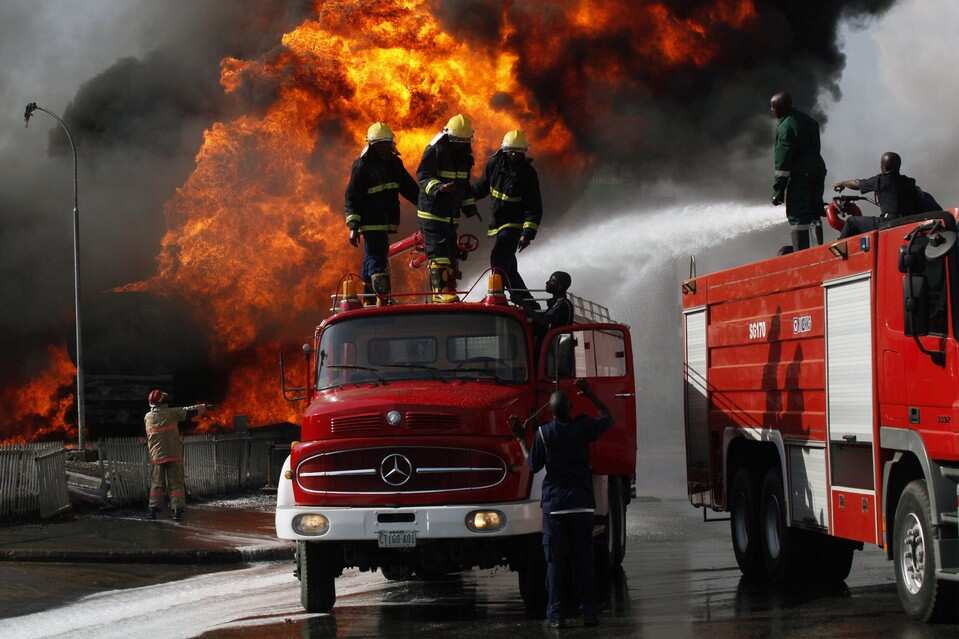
pixel 408 460
pixel 822 408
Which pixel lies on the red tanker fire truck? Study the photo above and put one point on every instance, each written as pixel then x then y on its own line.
pixel 822 408
pixel 408 460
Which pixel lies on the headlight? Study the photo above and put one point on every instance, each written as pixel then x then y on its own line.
pixel 485 520
pixel 393 418
pixel 312 524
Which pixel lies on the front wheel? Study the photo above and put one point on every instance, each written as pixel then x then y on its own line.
pixel 317 568
pixel 923 597
pixel 532 579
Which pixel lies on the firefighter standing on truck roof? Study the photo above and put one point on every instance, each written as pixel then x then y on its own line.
pixel 896 194
pixel 445 191
pixel 372 207
pixel 517 208
pixel 166 452
pixel 800 172
pixel 562 447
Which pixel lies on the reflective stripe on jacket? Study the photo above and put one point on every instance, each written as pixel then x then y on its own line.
pixel 514 190
pixel 372 195
pixel 445 162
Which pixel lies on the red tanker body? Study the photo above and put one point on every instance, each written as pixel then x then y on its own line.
pixel 408 460
pixel 822 408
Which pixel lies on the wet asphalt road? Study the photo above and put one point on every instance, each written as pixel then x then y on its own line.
pixel 679 580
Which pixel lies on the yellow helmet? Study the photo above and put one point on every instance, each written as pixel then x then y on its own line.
pixel 459 126
pixel 515 140
pixel 379 132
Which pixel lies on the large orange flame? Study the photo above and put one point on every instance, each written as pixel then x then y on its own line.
pixel 256 239
pixel 39 409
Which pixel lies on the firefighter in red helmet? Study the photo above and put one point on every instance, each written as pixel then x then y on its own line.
pixel 166 451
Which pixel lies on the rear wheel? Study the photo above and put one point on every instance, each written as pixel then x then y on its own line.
pixel 318 567
pixel 744 524
pixel 781 546
pixel 923 596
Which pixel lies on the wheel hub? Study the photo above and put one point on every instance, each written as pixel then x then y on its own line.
pixel 913 561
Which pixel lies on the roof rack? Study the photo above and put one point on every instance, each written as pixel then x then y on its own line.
pixel 588 310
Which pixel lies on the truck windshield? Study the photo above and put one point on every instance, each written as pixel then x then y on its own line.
pixel 437 346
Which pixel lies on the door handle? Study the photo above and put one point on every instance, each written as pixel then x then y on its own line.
pixel 625 395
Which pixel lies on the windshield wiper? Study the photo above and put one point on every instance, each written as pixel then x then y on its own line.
pixel 351 367
pixel 435 372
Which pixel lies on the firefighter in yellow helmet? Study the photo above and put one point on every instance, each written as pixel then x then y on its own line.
pixel 372 207
pixel 166 452
pixel 445 192
pixel 517 207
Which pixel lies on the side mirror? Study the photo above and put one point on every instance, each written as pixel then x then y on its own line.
pixel 560 359
pixel 296 393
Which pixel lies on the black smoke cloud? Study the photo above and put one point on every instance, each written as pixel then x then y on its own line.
pixel 139 121
pixel 684 120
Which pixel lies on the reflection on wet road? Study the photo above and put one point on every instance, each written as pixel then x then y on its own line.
pixel 679 580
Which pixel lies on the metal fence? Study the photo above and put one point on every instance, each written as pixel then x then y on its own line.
pixel 33 481
pixel 213 464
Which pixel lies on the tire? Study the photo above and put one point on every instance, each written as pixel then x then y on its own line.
pixel 744 525
pixel 923 597
pixel 318 570
pixel 781 546
pixel 616 523
pixel 396 572
pixel 532 579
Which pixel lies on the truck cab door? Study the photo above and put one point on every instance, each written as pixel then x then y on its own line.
pixel 601 354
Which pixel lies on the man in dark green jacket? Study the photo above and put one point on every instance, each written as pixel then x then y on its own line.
pixel 800 172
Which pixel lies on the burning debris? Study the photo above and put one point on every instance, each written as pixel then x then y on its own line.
pixel 254 237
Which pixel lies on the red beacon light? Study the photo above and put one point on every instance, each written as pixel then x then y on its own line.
pixel 495 295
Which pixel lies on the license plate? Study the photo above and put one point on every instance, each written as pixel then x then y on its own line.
pixel 397 539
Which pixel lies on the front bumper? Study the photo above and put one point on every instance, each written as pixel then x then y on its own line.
pixel 429 522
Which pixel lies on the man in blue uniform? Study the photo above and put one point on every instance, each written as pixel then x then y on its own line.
pixel 562 447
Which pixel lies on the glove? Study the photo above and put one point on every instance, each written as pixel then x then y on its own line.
pixel 524 241
pixel 582 386
pixel 777 199
pixel 354 237
pixel 838 187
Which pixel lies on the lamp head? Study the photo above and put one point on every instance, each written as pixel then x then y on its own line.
pixel 29 112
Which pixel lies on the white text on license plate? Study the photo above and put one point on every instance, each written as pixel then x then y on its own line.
pixel 397 539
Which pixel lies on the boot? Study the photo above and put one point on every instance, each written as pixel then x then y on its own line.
pixel 368 299
pixel 381 287
pixel 441 283
pixel 152 513
pixel 177 514
pixel 800 238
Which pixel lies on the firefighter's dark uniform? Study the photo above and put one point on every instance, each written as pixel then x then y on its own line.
pixel 438 212
pixel 897 196
pixel 800 172
pixel 517 208
pixel 568 505
pixel 373 207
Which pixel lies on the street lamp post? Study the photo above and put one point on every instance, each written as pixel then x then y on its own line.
pixel 81 400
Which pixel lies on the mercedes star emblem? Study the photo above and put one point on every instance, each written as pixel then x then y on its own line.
pixel 396 469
